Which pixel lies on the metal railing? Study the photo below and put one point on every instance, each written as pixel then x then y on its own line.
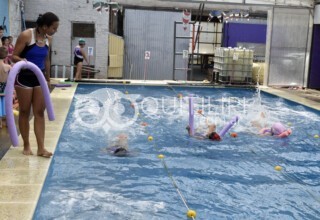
pixel 67 71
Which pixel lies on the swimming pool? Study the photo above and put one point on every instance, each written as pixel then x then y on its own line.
pixel 231 179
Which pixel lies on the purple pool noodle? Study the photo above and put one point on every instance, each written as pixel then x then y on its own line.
pixel 62 85
pixel 191 116
pixel 227 127
pixel 9 96
pixel 266 131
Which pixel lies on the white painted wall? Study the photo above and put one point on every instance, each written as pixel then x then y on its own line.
pixel 14 19
pixel 68 12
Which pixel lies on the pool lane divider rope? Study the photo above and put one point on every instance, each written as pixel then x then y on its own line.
pixel 9 96
pixel 190 213
pixel 300 183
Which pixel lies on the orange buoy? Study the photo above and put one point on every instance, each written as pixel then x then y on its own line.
pixel 233 134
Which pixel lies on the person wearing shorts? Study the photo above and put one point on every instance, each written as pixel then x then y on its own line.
pixel 79 56
pixel 33 45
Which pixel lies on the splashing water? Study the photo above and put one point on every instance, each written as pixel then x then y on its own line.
pixel 258 93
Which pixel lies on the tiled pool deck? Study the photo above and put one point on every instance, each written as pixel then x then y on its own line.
pixel 22 177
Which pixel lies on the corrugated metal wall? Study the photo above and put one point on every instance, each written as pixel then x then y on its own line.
pixel 152 31
pixel 306 3
pixel 288 46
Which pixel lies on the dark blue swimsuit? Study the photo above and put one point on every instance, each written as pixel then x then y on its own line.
pixel 34 54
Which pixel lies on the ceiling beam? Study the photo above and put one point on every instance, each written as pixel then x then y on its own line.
pixel 194 5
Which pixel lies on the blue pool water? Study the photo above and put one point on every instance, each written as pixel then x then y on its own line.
pixel 231 179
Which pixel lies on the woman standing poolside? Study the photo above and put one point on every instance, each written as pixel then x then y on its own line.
pixel 33 45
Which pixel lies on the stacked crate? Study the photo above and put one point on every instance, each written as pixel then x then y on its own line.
pixel 234 65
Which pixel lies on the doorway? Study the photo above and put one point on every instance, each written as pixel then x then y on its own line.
pixel 85 31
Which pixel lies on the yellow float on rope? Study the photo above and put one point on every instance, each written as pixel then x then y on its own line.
pixel 191 213
pixel 278 168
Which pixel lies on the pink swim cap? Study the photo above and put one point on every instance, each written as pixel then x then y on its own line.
pixel 278 128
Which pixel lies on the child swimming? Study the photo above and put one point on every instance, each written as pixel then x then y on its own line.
pixel 276 129
pixel 119 147
pixel 209 134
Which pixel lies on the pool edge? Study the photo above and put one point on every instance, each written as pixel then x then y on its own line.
pixel 22 177
pixel 292 97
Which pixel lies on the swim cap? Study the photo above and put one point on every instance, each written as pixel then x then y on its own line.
pixel 277 128
pixel 82 41
pixel 214 136
pixel 280 130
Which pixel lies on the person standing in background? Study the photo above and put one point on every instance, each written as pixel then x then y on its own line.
pixel 1 34
pixel 79 55
pixel 4 68
pixel 4 71
pixel 5 43
pixel 10 49
pixel 33 45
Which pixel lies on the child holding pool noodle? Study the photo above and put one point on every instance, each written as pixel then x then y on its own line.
pixel 211 131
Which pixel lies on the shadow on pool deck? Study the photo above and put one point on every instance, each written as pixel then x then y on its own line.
pixel 5 141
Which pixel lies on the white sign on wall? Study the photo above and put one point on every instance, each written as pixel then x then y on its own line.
pixel 147 55
pixel 90 51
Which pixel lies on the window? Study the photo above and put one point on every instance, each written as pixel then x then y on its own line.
pixel 83 30
pixel 31 24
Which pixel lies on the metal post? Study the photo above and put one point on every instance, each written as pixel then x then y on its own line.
pixel 174 51
pixel 145 69
pixel 71 73
pixel 64 72
pixel 55 71
pixel 192 51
